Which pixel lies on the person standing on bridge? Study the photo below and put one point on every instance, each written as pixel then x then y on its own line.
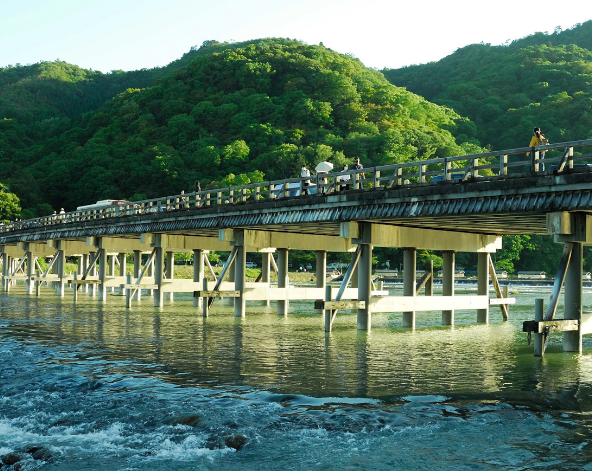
pixel 304 173
pixel 343 178
pixel 360 176
pixel 538 139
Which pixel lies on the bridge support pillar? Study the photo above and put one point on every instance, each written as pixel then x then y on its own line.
pixel 239 280
pixel 111 261
pixel 61 267
pixel 4 270
pixel 158 275
pixel 265 272
pixel 448 284
pixel 231 276
pixel 150 274
pixel 93 272
pixel 365 287
pixel 198 273
pixel 122 268
pixel 572 340
pixel 170 271
pixel 9 271
pixel 283 281
pixel 85 262
pixel 103 267
pixel 483 284
pixel 137 270
pixel 30 270
pixel 321 272
pixel 409 275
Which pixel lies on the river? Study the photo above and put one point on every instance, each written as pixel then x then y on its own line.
pixel 96 386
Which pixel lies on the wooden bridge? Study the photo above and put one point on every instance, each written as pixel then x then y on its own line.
pixel 457 204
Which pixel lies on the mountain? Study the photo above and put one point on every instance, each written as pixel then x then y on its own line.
pixel 222 114
pixel 542 80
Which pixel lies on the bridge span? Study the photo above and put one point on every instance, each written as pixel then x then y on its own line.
pixel 458 204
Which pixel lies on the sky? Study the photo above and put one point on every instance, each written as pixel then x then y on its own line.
pixel 111 35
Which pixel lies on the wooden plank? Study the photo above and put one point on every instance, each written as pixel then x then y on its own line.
pixel 335 305
pixel 501 301
pixel 140 286
pixel 216 294
pixel 557 325
pixel 427 303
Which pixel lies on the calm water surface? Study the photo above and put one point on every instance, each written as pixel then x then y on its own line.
pixel 97 386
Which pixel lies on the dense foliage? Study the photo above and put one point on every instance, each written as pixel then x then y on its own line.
pixel 9 205
pixel 234 113
pixel 543 80
pixel 228 114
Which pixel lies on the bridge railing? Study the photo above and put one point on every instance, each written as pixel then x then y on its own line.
pixel 553 157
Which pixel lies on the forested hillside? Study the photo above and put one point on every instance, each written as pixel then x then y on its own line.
pixel 256 111
pixel 542 80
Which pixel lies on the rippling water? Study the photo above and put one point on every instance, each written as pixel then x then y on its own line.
pixel 100 387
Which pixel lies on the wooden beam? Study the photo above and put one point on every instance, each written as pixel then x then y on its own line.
pixel 557 325
pixel 498 291
pixel 335 305
pixel 559 279
pixel 216 294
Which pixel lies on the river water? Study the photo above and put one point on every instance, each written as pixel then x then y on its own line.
pixel 96 386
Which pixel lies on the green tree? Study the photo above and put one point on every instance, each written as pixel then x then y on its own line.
pixel 9 205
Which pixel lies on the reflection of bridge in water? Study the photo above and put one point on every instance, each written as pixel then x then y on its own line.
pixel 457 204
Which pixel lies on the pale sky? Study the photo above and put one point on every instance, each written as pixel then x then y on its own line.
pixel 107 35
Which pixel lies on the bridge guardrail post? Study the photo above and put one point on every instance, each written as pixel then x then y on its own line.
pixel 447 166
pixel 503 164
pixel 534 163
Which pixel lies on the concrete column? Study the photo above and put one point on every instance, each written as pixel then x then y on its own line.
pixel 4 269
pixel 539 338
pixel 150 274
pixel 283 282
pixel 61 272
pixel 448 260
pixel 80 266
pixel 30 271
pixel 137 270
pixel 158 274
pixel 170 271
pixel 265 272
pixel 198 273
pixel 85 262
pixel 409 275
pixel 103 267
pixel 8 271
pixel 572 341
pixel 123 268
pixel 365 287
pixel 483 284
pixel 239 280
pixel 321 272
pixel 111 261
pixel 429 286
pixel 93 272
pixel 231 274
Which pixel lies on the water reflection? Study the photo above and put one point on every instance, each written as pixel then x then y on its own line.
pixel 294 355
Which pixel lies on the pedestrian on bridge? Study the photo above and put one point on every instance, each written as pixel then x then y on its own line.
pixel 538 139
pixel 343 178
pixel 360 176
pixel 304 173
